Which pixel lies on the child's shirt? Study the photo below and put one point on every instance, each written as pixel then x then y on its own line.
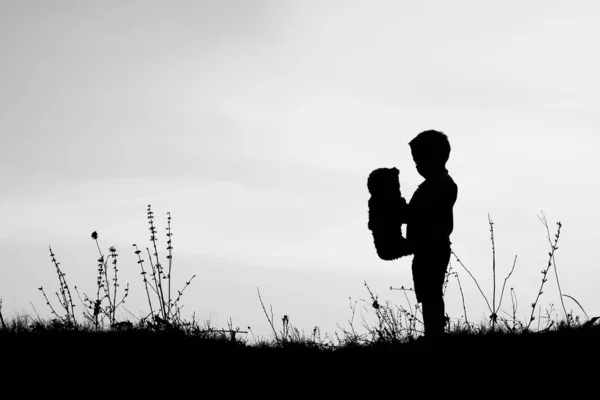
pixel 430 219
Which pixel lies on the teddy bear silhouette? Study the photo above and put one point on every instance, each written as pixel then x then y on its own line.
pixel 386 213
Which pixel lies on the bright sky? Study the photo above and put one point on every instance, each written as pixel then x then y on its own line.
pixel 256 124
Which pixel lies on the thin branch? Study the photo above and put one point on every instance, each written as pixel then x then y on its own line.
pixel 463 298
pixel 504 284
pixel 267 315
pixel 478 287
pixel 545 222
pixel 493 316
pixel 544 274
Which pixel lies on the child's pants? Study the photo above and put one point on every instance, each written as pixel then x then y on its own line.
pixel 429 270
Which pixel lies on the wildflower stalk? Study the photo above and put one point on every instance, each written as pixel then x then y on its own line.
pixel 180 293
pixel 64 299
pixel 158 266
pixel 494 315
pixel 463 298
pixel 52 310
pixel 167 311
pixel 103 282
pixel 102 275
pixel 554 247
pixel 504 284
pixel 90 305
pixel 141 262
pixel 157 284
pixel 545 223
pixel 170 256
pixel 113 253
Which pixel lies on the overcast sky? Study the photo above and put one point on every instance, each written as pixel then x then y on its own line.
pixel 256 124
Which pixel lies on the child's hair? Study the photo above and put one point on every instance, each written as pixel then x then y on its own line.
pixel 433 145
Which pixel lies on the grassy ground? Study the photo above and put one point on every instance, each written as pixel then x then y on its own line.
pixel 56 337
pixel 97 343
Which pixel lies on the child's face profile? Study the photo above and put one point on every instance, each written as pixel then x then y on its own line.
pixel 425 166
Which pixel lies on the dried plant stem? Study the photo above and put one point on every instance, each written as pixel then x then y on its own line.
pixel 476 283
pixel 86 314
pixel 513 297
pixel 170 256
pixel 159 269
pixel 545 223
pixel 167 313
pixel 572 298
pixel 143 273
pixel 41 289
pixel 504 284
pixel 267 315
pixel 158 285
pixel 463 298
pixel 104 268
pixel 180 293
pixel 113 304
pixel 554 247
pixel 64 299
pixel 494 315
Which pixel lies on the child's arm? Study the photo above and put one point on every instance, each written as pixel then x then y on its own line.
pixel 430 214
pixel 435 212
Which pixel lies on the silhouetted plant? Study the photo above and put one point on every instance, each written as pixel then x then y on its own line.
pixel 493 309
pixel 167 312
pixel 270 319
pixel 352 337
pixel 403 324
pixel 64 299
pixel 289 335
pixel 96 312
pixel 394 323
pixel 545 223
pixel 554 247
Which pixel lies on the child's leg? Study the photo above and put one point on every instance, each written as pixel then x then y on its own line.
pixel 434 316
pixel 429 271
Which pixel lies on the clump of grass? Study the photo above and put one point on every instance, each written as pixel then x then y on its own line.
pixel 291 337
pixel 394 323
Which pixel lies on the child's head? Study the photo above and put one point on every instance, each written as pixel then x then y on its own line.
pixel 430 151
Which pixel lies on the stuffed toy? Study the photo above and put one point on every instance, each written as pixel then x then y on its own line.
pixel 386 213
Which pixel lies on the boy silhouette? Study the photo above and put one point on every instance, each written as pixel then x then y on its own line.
pixel 429 222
